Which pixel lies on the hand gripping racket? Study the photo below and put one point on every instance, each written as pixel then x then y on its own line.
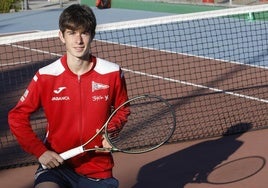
pixel 149 122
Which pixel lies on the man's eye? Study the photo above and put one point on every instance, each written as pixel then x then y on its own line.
pixel 70 32
pixel 85 33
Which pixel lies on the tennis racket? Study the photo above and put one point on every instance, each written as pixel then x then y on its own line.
pixel 149 123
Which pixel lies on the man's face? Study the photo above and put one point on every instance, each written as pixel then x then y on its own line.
pixel 77 42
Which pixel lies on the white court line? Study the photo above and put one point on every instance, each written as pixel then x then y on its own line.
pixel 31 49
pixel 197 85
pixel 36 50
pixel 15 63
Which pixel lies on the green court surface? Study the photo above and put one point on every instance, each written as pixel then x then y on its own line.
pixel 158 6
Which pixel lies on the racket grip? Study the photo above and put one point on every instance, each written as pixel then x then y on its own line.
pixel 69 154
pixel 72 152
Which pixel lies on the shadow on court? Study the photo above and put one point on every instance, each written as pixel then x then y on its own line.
pixel 192 164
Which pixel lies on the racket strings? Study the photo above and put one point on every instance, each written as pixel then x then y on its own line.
pixel 150 124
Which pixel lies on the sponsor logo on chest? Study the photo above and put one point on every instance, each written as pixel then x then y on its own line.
pixel 58 91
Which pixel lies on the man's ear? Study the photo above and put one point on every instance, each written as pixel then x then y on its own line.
pixel 61 36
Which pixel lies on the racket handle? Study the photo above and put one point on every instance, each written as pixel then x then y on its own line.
pixel 69 154
pixel 72 152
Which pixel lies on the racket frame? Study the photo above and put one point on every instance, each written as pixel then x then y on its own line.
pixel 115 149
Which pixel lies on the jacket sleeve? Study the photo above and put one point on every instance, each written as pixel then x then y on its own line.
pixel 120 118
pixel 19 120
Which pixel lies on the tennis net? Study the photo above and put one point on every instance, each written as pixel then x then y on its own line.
pixel 211 66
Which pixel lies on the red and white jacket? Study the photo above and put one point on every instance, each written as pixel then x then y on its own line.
pixel 75 106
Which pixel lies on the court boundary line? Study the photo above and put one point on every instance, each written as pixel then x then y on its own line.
pixel 197 85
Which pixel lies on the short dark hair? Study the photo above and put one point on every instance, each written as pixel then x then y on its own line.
pixel 78 17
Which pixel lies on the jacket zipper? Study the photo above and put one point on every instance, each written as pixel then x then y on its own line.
pixel 80 110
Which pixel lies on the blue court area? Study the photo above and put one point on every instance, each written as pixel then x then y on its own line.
pixel 47 19
pixel 235 40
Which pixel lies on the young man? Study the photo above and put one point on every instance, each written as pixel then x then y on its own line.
pixel 77 93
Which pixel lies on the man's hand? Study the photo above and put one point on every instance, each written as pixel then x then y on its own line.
pixel 50 159
pixel 105 144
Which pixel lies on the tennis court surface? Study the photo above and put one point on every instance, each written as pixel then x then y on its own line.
pixel 211 67
pixel 223 162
